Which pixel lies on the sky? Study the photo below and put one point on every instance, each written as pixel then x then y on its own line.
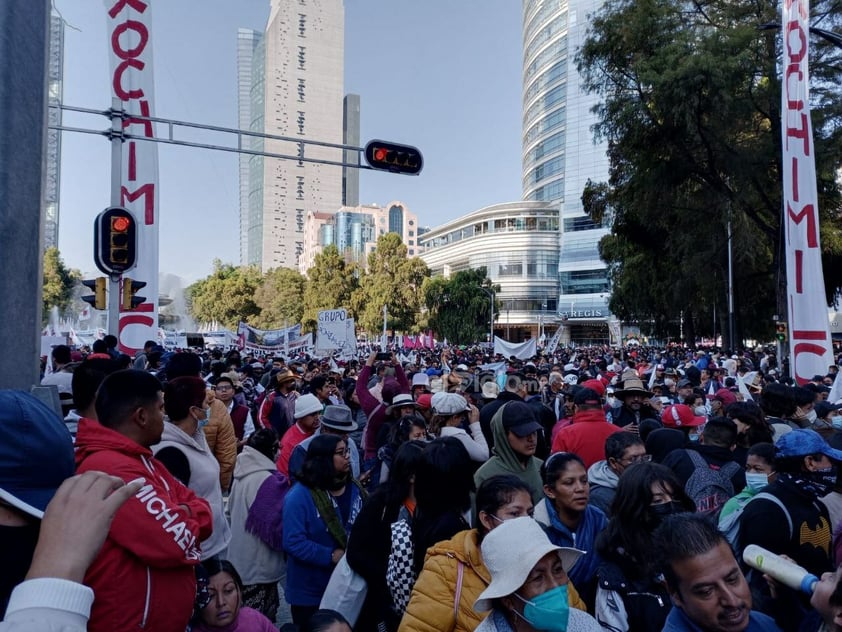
pixel 443 75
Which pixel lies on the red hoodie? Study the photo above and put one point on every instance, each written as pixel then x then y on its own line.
pixel 144 576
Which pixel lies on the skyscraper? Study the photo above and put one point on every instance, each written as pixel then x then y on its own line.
pixel 560 155
pixel 296 87
pixel 55 78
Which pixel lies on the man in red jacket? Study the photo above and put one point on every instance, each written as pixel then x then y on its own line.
pixel 586 434
pixel 144 576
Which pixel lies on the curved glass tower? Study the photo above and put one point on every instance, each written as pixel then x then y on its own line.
pixel 559 154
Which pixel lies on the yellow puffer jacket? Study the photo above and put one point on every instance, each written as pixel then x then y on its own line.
pixel 222 441
pixel 433 607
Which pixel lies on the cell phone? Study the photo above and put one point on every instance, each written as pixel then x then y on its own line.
pixel 383 355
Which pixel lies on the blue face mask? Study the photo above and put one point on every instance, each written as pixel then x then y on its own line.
pixel 204 422
pixel 756 480
pixel 549 611
pixel 836 422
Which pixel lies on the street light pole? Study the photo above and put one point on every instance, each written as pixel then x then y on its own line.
pixel 490 293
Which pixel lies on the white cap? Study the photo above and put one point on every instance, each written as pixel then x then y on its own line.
pixel 307 405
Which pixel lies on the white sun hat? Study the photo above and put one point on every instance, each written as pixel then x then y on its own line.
pixel 511 551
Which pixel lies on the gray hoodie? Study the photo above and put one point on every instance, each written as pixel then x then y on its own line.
pixel 254 560
pixel 603 482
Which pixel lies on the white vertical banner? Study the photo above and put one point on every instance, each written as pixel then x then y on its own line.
pixel 809 333
pixel 130 53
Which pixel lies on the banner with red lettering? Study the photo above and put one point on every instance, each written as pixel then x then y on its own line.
pixel 809 330
pixel 130 52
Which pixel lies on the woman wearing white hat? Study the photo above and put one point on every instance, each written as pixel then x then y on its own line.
pixel 528 589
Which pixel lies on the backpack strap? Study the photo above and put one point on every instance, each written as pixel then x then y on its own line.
pixel 696 458
pixel 777 501
pixel 460 571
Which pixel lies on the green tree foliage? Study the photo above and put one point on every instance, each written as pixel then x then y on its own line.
pixel 330 285
pixel 227 296
pixel 58 284
pixel 690 108
pixel 393 280
pixel 458 307
pixel 280 299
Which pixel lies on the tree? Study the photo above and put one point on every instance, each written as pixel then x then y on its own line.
pixel 459 308
pixel 280 299
pixel 330 285
pixel 227 296
pixel 392 280
pixel 58 284
pixel 690 111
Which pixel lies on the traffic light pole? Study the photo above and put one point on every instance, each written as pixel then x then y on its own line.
pixel 113 319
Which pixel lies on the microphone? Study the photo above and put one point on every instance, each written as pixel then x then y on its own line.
pixel 786 572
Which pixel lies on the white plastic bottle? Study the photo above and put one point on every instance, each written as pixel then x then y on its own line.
pixel 786 572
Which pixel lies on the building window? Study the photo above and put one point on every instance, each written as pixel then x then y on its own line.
pixel 396 219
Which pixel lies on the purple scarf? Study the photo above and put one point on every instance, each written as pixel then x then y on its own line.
pixel 265 519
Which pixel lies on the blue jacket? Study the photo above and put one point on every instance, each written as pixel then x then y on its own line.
pixel 309 546
pixel 677 621
pixel 583 573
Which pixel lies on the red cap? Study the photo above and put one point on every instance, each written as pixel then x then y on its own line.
pixel 595 385
pixel 725 396
pixel 425 401
pixel 681 416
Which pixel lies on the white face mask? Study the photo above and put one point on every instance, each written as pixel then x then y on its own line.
pixel 811 416
pixel 700 411
pixel 668 381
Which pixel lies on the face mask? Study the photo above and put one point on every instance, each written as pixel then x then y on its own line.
pixel 700 411
pixel 825 477
pixel 756 480
pixel 666 509
pixel 836 422
pixel 548 611
pixel 669 381
pixel 204 422
pixel 811 416
pixel 18 545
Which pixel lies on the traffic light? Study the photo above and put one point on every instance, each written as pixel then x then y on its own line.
pixel 98 286
pixel 393 157
pixel 130 288
pixel 115 240
pixel 780 331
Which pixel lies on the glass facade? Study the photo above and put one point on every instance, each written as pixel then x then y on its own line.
pixel 559 154
pixel 250 97
pixel 55 78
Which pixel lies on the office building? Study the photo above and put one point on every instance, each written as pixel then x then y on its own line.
pixel 517 243
pixel 354 231
pixel 560 156
pixel 55 90
pixel 295 91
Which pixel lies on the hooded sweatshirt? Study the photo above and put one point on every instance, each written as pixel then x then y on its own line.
pixel 603 482
pixel 204 480
pixel 507 461
pixel 256 562
pixel 144 576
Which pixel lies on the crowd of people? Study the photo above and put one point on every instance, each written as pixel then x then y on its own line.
pixel 450 489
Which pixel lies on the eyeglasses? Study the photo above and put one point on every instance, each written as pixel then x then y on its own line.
pixel 639 458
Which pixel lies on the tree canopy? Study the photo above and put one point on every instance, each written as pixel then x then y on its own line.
pixel 331 284
pixel 58 284
pixel 459 307
pixel 690 109
pixel 227 296
pixel 279 299
pixel 393 280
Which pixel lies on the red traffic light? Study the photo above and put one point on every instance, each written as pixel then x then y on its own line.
pixel 115 240
pixel 120 224
pixel 393 157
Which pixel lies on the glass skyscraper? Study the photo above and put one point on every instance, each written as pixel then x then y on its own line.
pixel 559 154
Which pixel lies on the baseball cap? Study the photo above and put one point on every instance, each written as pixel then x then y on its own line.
pixel 424 401
pixel 36 452
pixel 681 416
pixel 823 408
pixel 595 385
pixel 725 396
pixel 802 442
pixel 684 382
pixel 519 419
